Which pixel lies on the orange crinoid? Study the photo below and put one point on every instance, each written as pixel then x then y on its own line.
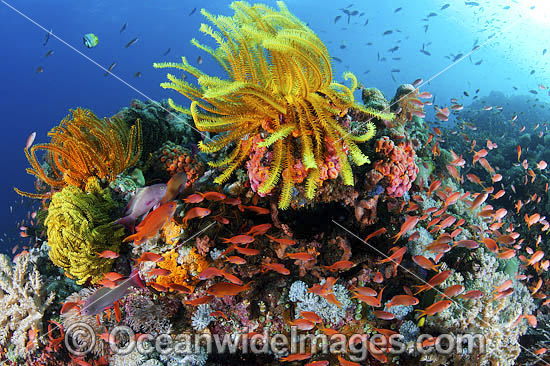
pixel 84 146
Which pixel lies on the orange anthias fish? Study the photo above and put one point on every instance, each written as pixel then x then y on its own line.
pixel 152 223
pixel 213 196
pixel 259 229
pixel 376 233
pixel 395 257
pixel 474 179
pixel 277 267
pixel 302 256
pixel 108 254
pixel 405 300
pixel 479 200
pixel 239 239
pixel 282 241
pixel 436 280
pixel 194 213
pixel 222 289
pixel 435 308
pixel 150 257
pixel 425 262
pixel 478 155
pixel 194 198
pixel 408 225
pixel 519 152
pixel 339 266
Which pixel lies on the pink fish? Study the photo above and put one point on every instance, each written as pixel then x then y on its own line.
pixel 144 200
pixel 104 297
pixel 30 140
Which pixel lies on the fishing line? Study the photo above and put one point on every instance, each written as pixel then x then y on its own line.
pixel 176 117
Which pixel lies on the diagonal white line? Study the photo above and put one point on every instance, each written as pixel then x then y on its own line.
pixel 423 281
pixel 176 117
pixel 130 278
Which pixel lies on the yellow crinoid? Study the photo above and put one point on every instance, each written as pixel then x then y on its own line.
pixel 279 96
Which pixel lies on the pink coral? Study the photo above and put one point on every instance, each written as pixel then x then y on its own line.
pixel 331 166
pixel 397 166
pixel 257 171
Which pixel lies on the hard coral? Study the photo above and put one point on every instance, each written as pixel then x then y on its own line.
pixel 280 88
pixel 84 146
pixel 23 302
pixel 80 226
pixel 175 159
pixel 183 267
pixel 398 166
pixel 406 104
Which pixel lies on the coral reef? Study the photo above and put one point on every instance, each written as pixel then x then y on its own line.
pixel 494 320
pixel 84 340
pixel 398 166
pixel 173 159
pixel 160 123
pixel 84 146
pixel 145 313
pixel 292 104
pixel 184 265
pixel 23 300
pixel 329 312
pixel 79 226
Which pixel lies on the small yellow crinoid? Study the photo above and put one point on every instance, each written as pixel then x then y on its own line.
pixel 279 88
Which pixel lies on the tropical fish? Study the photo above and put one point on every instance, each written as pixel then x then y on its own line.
pixel 132 42
pixel 152 223
pixel 123 27
pixel 48 35
pixel 408 225
pixel 222 289
pixel 174 187
pixel 435 308
pixel 277 267
pixel 110 68
pixel 30 140
pixel 90 40
pixel 108 254
pixel 143 201
pixel 104 298
pixel 194 213
pixel 405 300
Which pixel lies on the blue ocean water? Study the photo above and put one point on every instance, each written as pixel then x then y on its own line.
pixel 511 36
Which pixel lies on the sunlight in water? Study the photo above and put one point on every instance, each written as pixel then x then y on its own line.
pixel 538 11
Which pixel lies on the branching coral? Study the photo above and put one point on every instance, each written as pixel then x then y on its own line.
pixel 494 320
pixel 84 146
pixel 79 226
pixel 23 302
pixel 280 88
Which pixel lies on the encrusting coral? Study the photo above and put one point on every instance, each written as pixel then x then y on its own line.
pixel 79 227
pixel 23 302
pixel 184 266
pixel 281 89
pixel 84 146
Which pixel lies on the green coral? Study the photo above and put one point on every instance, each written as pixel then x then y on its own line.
pixel 80 226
